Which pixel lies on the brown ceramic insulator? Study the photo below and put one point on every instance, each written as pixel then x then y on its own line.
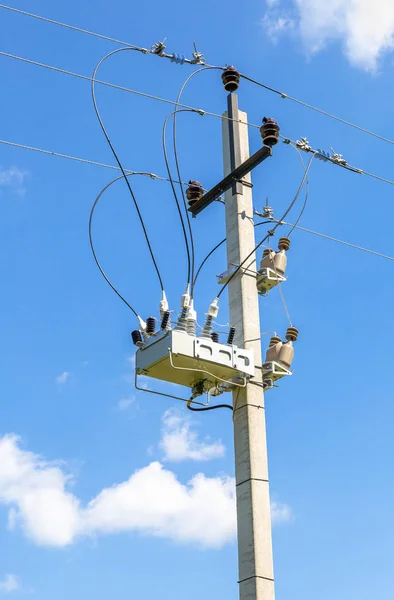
pixel 274 340
pixel 284 243
pixel 266 252
pixel 194 192
pixel 292 334
pixel 230 78
pixel 269 132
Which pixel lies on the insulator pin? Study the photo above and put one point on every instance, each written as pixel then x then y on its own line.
pixel 150 325
pixel 194 192
pixel 230 78
pixel 231 336
pixel 137 338
pixel 270 132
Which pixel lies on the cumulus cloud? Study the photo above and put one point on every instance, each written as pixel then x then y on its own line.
pixel 152 501
pixel 179 442
pixel 364 27
pixel 9 584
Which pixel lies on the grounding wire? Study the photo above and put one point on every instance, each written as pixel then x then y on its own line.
pixel 189 261
pixel 119 162
pixel 187 80
pixel 208 407
pixel 92 243
pixel 270 233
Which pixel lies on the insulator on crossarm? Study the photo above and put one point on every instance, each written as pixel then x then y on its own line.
pixel 269 132
pixel 166 321
pixel 150 325
pixel 194 192
pixel 230 78
pixel 215 337
pixel 211 315
pixel 182 323
pixel 163 304
pixel 231 336
pixel 137 338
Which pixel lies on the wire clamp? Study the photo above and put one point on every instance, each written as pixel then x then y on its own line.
pixel 303 145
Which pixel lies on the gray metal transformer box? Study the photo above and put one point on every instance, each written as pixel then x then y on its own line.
pixel 177 357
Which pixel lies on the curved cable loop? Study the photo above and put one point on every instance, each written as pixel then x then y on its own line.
pixel 118 160
pixel 306 171
pixel 164 143
pixel 187 80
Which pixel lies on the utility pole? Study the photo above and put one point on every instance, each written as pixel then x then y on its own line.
pixel 256 575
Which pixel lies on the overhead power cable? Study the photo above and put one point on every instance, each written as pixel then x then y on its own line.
pixel 181 217
pixel 319 110
pixel 119 162
pixel 328 237
pixel 85 161
pixel 174 57
pixel 92 243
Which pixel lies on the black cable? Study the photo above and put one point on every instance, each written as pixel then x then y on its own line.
pixel 193 279
pixel 117 158
pixel 270 233
pixel 209 407
pixel 306 170
pixel 216 248
pixel 189 262
pixel 92 244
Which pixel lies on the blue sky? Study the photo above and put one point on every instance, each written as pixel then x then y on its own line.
pixel 77 444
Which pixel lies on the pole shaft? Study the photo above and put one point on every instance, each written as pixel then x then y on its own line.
pixel 251 462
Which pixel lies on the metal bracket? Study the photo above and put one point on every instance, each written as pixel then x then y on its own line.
pixel 167 395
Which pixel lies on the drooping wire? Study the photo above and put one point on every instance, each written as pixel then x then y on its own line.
pixel 174 131
pixel 208 407
pixel 118 160
pixel 92 243
pixel 306 191
pixel 270 233
pixel 164 144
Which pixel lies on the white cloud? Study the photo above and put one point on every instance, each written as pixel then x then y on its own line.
pixel 9 584
pixel 125 403
pixel 179 442
pixel 63 378
pixel 280 513
pixel 13 178
pixel 365 27
pixel 152 501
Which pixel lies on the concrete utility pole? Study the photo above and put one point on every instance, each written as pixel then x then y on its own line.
pixel 256 576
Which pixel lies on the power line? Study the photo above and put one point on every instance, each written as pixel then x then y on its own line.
pixel 327 237
pixel 164 144
pixel 174 57
pixel 319 110
pixel 85 161
pixel 120 164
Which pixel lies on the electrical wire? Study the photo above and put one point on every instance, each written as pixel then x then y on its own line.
pixel 332 239
pixel 319 110
pixel 270 233
pixel 92 243
pixel 86 161
pixel 174 132
pixel 119 162
pixel 164 144
pixel 210 254
pixel 306 192
pixel 208 407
